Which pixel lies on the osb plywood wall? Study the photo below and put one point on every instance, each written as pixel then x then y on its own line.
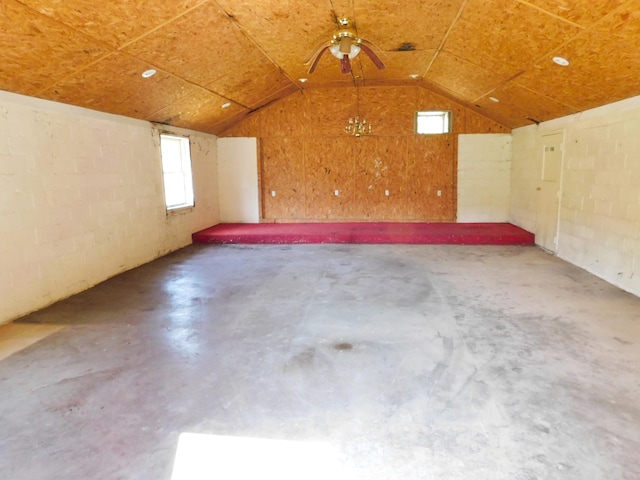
pixel 391 175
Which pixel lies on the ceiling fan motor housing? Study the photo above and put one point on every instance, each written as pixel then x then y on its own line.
pixel 345 42
pixel 345 45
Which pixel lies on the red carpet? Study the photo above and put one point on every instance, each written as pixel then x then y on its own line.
pixel 375 233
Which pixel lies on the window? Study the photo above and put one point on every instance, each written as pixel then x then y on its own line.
pixel 433 122
pixel 176 167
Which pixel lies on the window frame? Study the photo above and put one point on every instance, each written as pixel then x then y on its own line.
pixel 186 169
pixel 447 120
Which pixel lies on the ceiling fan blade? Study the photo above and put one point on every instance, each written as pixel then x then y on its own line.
pixel 345 65
pixel 372 55
pixel 316 59
pixel 318 50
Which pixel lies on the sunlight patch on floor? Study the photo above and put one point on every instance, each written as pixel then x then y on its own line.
pixel 201 456
pixel 18 336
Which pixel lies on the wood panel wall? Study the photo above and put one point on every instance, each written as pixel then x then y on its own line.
pixel 391 175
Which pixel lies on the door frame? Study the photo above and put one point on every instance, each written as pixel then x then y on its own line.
pixel 559 191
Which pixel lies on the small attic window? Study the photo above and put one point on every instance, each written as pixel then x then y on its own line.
pixel 433 122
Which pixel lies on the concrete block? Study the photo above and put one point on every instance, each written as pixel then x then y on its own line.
pixel 65 188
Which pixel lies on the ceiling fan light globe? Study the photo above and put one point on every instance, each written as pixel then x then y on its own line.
pixel 355 50
pixel 335 51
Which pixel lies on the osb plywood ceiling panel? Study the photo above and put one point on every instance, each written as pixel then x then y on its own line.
pixel 245 55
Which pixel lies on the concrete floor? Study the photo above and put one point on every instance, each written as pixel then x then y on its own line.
pixel 429 362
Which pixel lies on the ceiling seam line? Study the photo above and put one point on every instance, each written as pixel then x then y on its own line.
pixel 502 84
pixel 446 36
pixel 553 15
pixel 111 50
pixel 233 20
pixel 585 31
pixel 253 110
pixel 160 69
pixel 540 59
pixel 572 107
pixel 275 97
pixel 79 70
pixel 187 95
pixel 162 25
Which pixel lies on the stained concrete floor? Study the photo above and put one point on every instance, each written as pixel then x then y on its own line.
pixel 429 362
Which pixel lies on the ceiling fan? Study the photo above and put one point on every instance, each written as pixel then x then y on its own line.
pixel 345 45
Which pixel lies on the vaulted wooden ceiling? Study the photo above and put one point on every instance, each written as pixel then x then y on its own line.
pixel 249 53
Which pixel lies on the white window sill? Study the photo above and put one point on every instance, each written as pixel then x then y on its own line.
pixel 179 210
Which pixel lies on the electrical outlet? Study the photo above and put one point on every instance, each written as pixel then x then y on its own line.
pixel 336 192
pixel 273 193
pixel 386 192
pixel 439 193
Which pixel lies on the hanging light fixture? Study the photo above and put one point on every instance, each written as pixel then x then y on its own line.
pixel 357 126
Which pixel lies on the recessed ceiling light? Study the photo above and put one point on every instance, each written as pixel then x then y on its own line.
pixel 149 73
pixel 414 75
pixel 303 80
pixel 494 99
pixel 563 62
pixel 226 105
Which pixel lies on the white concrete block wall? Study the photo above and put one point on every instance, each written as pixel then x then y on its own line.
pixel 81 199
pixel 525 173
pixel 238 180
pixel 599 220
pixel 484 166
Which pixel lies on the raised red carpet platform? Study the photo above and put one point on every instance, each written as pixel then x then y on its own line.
pixel 373 233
